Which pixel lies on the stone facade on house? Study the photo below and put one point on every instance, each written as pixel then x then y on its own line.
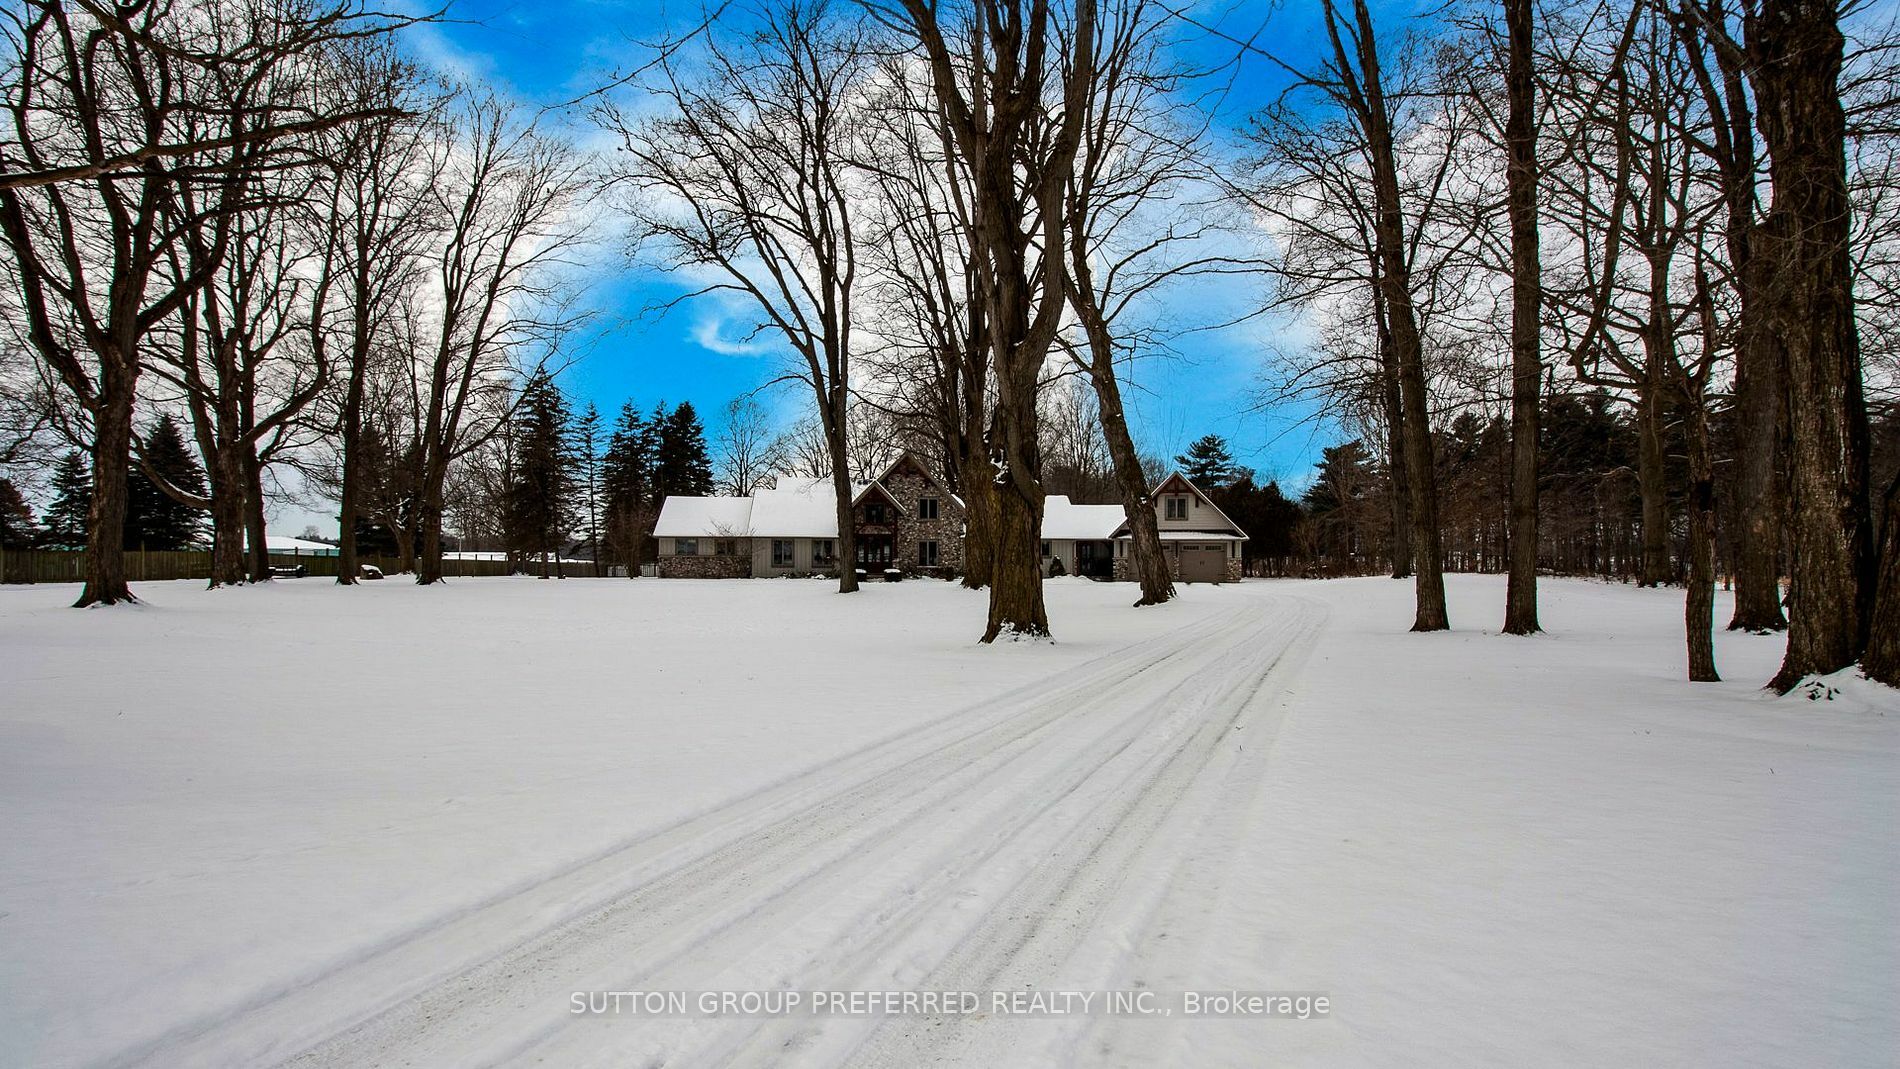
pixel 1125 563
pixel 916 493
pixel 1201 543
pixel 706 566
pixel 906 520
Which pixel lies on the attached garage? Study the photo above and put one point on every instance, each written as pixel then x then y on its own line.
pixel 1202 562
pixel 1200 543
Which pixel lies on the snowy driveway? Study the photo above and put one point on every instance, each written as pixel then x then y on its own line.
pixel 1043 840
pixel 1486 850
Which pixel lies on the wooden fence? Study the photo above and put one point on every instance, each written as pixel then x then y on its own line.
pixel 68 566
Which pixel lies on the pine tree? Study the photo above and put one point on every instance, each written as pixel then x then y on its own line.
pixel 684 463
pixel 64 524
pixel 1268 517
pixel 16 519
pixel 627 480
pixel 1208 463
pixel 540 505
pixel 626 475
pixel 585 436
pixel 154 519
pixel 1337 502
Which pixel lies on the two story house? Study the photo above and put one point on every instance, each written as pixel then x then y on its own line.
pixel 906 520
pixel 903 520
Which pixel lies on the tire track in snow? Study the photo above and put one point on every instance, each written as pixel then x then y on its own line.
pixel 927 878
pixel 673 932
pixel 1079 918
pixel 442 976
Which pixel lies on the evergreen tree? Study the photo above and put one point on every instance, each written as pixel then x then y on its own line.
pixel 1338 503
pixel 16 519
pixel 540 505
pixel 683 463
pixel 154 519
pixel 1269 518
pixel 64 524
pixel 1208 463
pixel 626 483
pixel 626 475
pixel 585 436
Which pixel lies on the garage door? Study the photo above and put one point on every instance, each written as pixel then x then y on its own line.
pixel 1203 564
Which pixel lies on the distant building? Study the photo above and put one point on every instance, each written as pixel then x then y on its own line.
pixel 906 520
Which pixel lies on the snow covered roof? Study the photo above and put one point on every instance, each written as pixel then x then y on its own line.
pixel 1183 482
pixel 1197 536
pixel 796 508
pixel 301 546
pixel 694 517
pixel 1062 518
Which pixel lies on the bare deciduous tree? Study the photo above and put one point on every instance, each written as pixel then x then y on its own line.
pixel 107 107
pixel 498 299
pixel 1011 81
pixel 745 445
pixel 749 175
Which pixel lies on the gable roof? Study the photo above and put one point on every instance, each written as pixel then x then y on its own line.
pixel 866 490
pixel 796 508
pixel 924 469
pixel 1062 518
pixel 1183 482
pixel 707 517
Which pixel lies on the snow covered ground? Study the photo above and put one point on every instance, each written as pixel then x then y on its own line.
pixel 398 825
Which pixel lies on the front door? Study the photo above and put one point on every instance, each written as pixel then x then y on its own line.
pixel 874 552
pixel 1091 558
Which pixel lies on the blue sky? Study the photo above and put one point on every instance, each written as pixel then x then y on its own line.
pixel 547 52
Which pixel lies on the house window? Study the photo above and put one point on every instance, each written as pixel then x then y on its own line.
pixel 926 508
pixel 686 547
pixel 874 550
pixel 874 513
pixel 824 553
pixel 781 553
pixel 725 547
pixel 1177 508
pixel 927 554
pixel 1045 550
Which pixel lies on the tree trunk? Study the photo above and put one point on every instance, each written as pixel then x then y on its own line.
pixel 1396 280
pixel 429 526
pixel 1755 527
pixel 259 564
pixel 348 564
pixel 111 460
pixel 1699 601
pixel 1760 430
pixel 1151 566
pixel 847 534
pixel 1796 46
pixel 227 517
pixel 1881 661
pixel 841 486
pixel 1527 371
pixel 1016 607
pixel 1401 484
pixel 979 536
pixel 1652 482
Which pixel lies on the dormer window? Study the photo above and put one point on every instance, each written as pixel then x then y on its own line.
pixel 1177 506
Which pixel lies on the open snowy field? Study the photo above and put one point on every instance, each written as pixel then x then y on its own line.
pixel 402 826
